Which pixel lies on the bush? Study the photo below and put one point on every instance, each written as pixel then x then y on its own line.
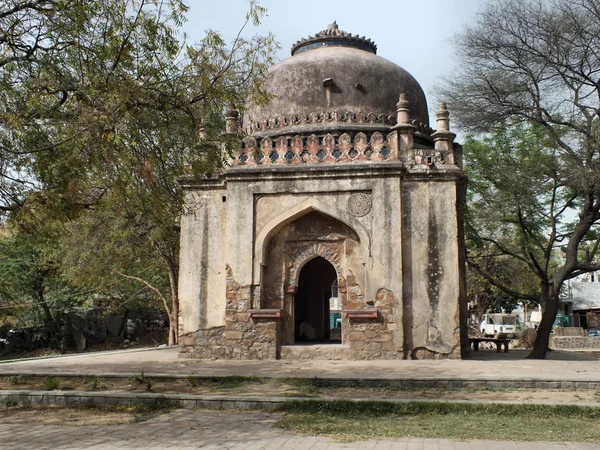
pixel 16 379
pixel 95 384
pixel 52 383
pixel 526 337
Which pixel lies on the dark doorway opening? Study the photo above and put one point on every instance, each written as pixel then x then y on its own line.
pixel 314 320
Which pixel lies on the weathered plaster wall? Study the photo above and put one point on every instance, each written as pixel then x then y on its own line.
pixel 281 199
pixel 202 262
pixel 431 276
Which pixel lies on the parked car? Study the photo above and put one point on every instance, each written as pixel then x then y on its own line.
pixel 498 325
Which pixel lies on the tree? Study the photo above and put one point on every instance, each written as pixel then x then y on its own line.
pixel 102 108
pixel 513 184
pixel 520 210
pixel 535 63
pixel 33 293
pixel 483 296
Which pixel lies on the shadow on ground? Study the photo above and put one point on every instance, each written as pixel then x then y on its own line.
pixel 518 354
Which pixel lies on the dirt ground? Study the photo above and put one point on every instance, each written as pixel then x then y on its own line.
pixel 57 415
pixel 149 339
pixel 295 388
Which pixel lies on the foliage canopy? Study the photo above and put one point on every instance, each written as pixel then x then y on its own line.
pixel 102 108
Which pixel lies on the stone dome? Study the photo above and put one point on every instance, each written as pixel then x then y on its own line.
pixel 335 81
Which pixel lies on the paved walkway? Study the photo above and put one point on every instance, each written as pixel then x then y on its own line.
pixel 486 365
pixel 185 430
pixel 191 429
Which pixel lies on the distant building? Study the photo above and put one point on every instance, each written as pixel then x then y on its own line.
pixel 582 304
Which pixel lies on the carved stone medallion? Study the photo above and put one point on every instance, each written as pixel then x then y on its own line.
pixel 359 204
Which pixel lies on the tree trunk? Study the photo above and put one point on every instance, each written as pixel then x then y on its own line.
pixel 549 302
pixel 174 313
pixel 41 291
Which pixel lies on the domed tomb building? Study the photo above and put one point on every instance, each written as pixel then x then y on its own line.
pixel 335 231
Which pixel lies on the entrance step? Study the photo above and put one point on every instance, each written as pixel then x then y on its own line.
pixel 315 351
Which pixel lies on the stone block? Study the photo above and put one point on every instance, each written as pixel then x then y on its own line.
pixel 233 335
pixel 187 340
pixel 356 336
pixel 391 355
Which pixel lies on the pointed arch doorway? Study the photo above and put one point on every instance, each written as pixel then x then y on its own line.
pixel 316 304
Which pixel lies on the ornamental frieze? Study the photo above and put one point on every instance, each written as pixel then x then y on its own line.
pixel 324 117
pixel 315 149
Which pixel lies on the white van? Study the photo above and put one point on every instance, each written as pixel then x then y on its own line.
pixel 498 325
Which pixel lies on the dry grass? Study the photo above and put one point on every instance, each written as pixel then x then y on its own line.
pixel 346 421
pixel 56 415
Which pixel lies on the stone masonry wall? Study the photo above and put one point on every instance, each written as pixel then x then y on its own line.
pixel 569 331
pixel 242 337
pixel 575 342
pixel 373 338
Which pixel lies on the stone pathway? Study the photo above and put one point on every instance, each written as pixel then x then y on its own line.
pixel 485 365
pixel 185 429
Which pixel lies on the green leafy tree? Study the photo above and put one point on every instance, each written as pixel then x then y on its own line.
pixel 519 212
pixel 485 297
pixel 102 108
pixel 32 290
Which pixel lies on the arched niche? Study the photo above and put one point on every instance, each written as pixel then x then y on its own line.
pixel 279 221
pixel 312 235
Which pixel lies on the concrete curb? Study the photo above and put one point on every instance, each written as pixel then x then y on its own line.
pixel 408 383
pixel 187 401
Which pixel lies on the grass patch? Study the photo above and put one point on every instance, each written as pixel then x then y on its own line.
pixel 71 416
pixel 235 382
pixel 226 383
pixel 138 378
pixel 8 403
pixel 349 421
pixel 146 411
pixel 16 380
pixel 52 383
pixel 192 380
pixel 95 384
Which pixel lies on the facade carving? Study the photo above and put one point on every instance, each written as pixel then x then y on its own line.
pixel 344 148
pixel 282 123
pixel 359 204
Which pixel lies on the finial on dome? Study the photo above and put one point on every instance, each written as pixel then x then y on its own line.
pixel 443 138
pixel 443 123
pixel 333 36
pixel 403 106
pixel 231 121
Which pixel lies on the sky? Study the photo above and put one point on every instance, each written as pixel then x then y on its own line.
pixel 414 34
